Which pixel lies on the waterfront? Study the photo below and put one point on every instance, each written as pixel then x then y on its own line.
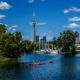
pixel 61 69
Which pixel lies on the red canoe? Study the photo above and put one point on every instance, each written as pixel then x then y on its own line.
pixel 51 62
pixel 33 64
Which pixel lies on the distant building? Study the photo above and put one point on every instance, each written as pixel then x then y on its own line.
pixel 54 38
pixel 43 40
pixel 37 38
pixel 77 44
pixel 77 40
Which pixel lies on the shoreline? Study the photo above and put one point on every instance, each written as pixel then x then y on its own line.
pixel 6 60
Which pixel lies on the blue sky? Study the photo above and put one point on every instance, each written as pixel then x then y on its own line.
pixel 52 16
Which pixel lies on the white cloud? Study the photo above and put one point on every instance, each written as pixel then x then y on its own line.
pixel 6 25
pixel 74 19
pixel 4 5
pixel 73 9
pixel 13 27
pixel 1 23
pixel 31 1
pixel 50 38
pixel 66 11
pixel 73 25
pixel 39 23
pixel 2 16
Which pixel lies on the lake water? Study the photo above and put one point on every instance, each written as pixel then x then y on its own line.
pixel 61 69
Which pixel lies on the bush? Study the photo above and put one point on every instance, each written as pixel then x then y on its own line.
pixel 73 50
pixel 70 52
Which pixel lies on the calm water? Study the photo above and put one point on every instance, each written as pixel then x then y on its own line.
pixel 61 69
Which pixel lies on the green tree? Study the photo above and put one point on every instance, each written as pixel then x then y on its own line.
pixel 18 37
pixel 8 46
pixel 30 47
pixel 67 40
pixel 26 44
pixel 76 34
pixel 2 28
pixel 18 40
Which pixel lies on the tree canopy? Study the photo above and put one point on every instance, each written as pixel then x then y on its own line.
pixel 67 40
pixel 10 45
pixel 2 28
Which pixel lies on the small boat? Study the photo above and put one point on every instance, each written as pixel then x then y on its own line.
pixel 33 64
pixel 51 61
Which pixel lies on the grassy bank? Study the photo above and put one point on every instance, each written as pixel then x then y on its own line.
pixel 77 52
pixel 6 60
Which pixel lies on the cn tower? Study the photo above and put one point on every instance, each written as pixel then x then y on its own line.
pixel 34 24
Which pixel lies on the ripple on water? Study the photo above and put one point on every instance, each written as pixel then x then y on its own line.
pixel 61 69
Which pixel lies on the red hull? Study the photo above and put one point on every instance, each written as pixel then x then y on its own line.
pixel 51 62
pixel 36 64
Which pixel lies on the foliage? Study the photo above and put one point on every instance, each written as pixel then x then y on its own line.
pixel 67 41
pixel 76 34
pixel 7 45
pixel 10 45
pixel 55 44
pixel 18 37
pixel 28 46
pixel 2 29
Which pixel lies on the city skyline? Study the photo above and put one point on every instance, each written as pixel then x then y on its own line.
pixel 52 17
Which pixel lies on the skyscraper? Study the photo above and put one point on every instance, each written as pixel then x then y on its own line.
pixel 37 38
pixel 44 38
pixel 42 41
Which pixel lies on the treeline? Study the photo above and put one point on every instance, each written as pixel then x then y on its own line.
pixel 12 45
pixel 66 42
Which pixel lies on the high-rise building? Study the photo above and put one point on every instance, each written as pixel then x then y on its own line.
pixel 37 38
pixel 44 38
pixel 42 41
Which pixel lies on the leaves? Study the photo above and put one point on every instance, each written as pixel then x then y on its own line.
pixel 67 40
pixel 10 44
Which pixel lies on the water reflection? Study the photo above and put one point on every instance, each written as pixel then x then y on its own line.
pixel 61 69
pixel 68 66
